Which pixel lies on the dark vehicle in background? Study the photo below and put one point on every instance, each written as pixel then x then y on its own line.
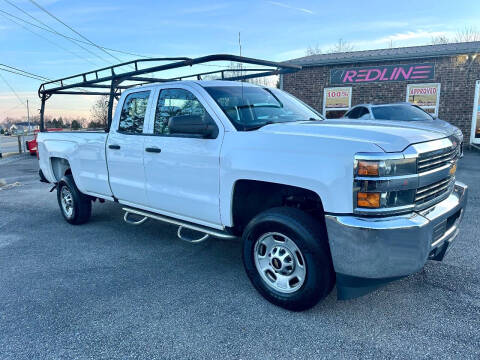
pixel 402 115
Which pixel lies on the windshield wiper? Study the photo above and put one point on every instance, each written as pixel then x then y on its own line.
pixel 309 119
pixel 257 106
pixel 256 127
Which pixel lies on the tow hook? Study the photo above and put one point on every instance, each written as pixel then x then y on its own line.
pixel 54 187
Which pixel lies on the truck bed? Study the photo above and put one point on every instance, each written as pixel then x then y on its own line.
pixel 84 151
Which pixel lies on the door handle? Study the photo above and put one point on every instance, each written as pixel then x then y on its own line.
pixel 153 150
pixel 114 147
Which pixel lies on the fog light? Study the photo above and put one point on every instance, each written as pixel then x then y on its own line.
pixel 368 200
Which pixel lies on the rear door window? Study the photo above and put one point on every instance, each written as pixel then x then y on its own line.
pixel 132 117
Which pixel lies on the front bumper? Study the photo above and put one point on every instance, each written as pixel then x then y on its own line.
pixel 394 246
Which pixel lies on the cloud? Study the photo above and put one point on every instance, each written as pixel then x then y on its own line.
pixel 419 34
pixel 407 38
pixel 286 6
pixel 380 24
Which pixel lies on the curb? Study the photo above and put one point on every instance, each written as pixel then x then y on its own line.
pixel 11 157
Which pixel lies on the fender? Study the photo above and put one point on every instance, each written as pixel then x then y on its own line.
pixel 322 165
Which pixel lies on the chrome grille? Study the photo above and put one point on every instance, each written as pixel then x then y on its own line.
pixel 436 159
pixel 430 192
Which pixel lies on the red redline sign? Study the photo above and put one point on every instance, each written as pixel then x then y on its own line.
pixel 382 73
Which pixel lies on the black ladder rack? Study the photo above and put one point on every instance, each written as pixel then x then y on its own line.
pixel 108 80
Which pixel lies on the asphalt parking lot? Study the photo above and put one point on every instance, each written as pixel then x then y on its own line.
pixel 9 144
pixel 107 289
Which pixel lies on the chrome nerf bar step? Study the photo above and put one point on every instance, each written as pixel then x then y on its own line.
pixel 181 225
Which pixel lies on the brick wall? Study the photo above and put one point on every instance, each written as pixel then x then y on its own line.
pixel 455 74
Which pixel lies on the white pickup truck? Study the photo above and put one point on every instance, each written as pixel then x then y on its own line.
pixel 315 201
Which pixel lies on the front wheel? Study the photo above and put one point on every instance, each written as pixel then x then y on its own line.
pixel 287 258
pixel 76 207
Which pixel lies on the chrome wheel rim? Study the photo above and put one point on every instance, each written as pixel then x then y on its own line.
pixel 67 201
pixel 280 262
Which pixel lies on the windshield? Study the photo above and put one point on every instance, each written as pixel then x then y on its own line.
pixel 399 112
pixel 250 107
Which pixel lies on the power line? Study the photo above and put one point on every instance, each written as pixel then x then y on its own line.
pixel 4 13
pixel 52 29
pixel 17 73
pixel 43 37
pixel 75 31
pixel 11 88
pixel 26 72
pixel 21 72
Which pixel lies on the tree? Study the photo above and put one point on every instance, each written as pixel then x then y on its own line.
pixel 467 34
pixel 95 125
pixel 2 131
pixel 438 40
pixel 316 50
pixel 75 125
pixel 341 46
pixel 99 112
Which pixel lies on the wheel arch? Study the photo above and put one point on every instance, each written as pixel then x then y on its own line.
pixel 250 197
pixel 60 167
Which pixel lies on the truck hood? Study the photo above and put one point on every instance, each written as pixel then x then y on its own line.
pixel 435 125
pixel 388 136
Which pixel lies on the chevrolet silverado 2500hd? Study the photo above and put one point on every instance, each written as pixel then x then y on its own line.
pixel 316 202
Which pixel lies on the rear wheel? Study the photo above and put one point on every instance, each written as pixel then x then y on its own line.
pixel 76 207
pixel 287 258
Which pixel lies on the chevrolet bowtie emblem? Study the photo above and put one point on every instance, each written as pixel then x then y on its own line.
pixel 453 169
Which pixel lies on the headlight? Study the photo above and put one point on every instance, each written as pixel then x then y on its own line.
pixel 387 167
pixel 384 183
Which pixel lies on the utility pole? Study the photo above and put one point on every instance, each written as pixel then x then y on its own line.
pixel 239 43
pixel 28 117
pixel 240 52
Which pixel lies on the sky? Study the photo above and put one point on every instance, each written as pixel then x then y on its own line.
pixel 274 30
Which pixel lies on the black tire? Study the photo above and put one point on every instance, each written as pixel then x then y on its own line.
pixel 81 204
pixel 311 239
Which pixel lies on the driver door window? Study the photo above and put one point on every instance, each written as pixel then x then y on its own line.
pixel 177 102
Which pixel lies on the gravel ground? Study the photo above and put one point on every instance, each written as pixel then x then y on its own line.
pixel 108 290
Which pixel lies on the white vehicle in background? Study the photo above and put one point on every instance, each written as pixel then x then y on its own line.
pixel 314 201
pixel 403 114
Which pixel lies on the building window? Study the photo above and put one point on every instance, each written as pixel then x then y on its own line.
pixel 427 96
pixel 336 101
